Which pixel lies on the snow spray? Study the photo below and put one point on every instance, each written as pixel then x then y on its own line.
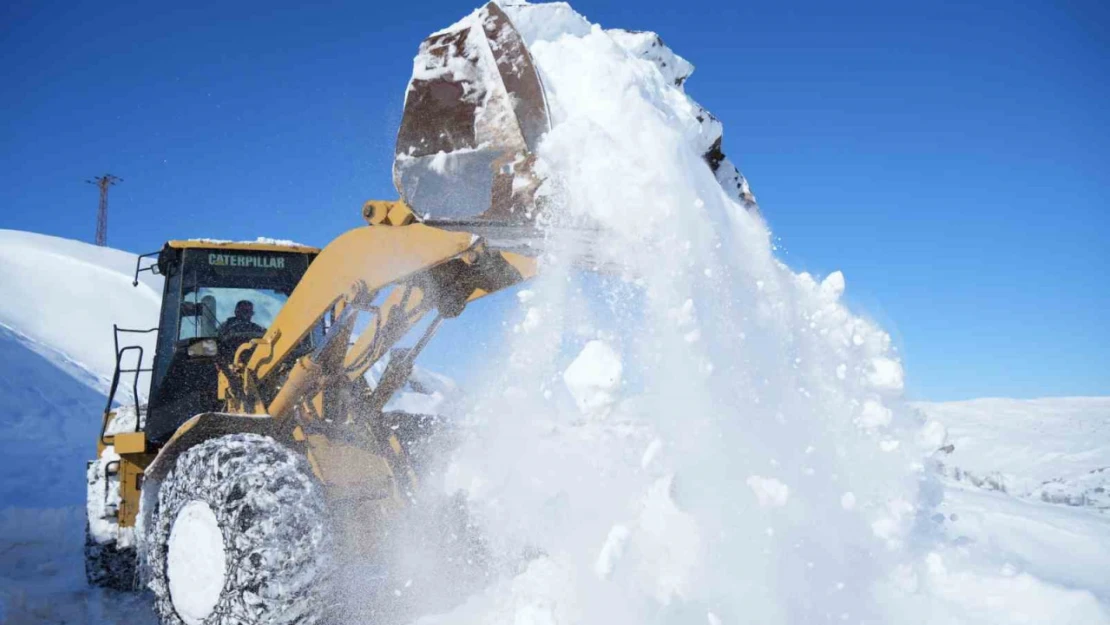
pixel 697 433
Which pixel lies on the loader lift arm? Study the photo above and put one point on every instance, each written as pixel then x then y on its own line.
pixel 425 269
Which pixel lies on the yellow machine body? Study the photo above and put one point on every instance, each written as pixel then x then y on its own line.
pixel 355 303
pixel 395 272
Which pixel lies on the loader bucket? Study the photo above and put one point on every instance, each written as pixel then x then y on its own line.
pixel 474 112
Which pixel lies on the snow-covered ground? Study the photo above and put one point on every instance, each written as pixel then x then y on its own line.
pixel 1024 507
pixel 1055 450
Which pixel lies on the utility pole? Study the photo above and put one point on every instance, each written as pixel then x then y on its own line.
pixel 103 182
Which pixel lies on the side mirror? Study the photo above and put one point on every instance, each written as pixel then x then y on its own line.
pixel 152 268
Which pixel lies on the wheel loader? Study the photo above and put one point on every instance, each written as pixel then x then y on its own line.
pixel 258 439
pixel 261 432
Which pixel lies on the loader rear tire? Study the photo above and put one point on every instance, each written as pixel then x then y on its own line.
pixel 239 535
pixel 109 566
pixel 111 561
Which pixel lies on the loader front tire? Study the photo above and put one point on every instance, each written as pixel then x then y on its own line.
pixel 239 535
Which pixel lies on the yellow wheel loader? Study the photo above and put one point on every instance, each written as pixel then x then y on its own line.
pixel 260 433
pixel 263 453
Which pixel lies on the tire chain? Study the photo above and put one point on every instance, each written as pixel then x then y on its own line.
pixel 275 528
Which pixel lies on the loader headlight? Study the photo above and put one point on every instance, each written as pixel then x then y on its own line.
pixel 200 349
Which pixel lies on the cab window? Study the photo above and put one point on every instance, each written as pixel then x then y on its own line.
pixel 206 311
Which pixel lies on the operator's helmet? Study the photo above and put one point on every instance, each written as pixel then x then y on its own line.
pixel 244 309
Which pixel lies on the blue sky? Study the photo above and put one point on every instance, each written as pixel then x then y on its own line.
pixel 951 160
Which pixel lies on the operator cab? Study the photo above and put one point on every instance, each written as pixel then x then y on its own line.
pixel 217 296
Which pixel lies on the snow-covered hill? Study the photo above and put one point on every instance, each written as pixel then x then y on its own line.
pixel 1024 503
pixel 65 295
pixel 1054 450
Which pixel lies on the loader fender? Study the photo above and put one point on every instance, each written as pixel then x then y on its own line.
pixel 203 427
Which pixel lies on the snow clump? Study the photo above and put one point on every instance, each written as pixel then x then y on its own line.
pixel 593 378
pixel 769 492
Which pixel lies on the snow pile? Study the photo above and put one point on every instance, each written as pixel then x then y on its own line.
pixel 548 25
pixel 756 462
pixel 650 46
pixel 103 498
pixel 126 419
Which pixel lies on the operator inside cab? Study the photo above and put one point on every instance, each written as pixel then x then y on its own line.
pixel 241 324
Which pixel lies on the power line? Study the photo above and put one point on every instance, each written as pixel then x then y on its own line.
pixel 103 182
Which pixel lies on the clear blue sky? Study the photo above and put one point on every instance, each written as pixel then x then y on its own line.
pixel 951 160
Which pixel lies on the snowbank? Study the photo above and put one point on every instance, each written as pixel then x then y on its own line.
pixel 58 301
pixel 66 295
pixel 48 429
